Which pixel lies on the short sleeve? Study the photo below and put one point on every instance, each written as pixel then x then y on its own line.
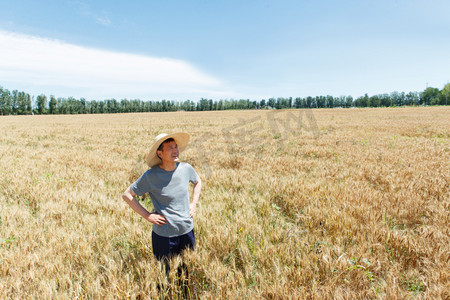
pixel 193 177
pixel 140 186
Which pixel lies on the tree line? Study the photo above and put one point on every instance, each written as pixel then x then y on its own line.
pixel 21 103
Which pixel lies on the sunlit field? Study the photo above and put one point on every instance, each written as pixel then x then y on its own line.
pixel 298 204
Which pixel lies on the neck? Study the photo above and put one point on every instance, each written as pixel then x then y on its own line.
pixel 168 165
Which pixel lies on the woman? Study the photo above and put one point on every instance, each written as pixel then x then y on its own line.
pixel 167 183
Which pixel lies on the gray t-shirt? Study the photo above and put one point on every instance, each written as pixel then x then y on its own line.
pixel 169 191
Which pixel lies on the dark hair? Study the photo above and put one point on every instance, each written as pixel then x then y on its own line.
pixel 160 148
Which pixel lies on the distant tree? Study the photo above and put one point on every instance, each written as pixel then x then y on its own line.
pixel 362 101
pixel 14 101
pixel 397 98
pixel 385 100
pixel 29 104
pixel 101 107
pixel 445 95
pixel 430 96
pixel 73 105
pixel 125 105
pixel 147 106
pixel 282 103
pixel 5 102
pixel 82 106
pixel 412 98
pixel 52 105
pixel 60 102
pixel 374 101
pixel 210 104
pixel 203 105
pixel 320 101
pixel 339 101
pixel 2 101
pixel 330 101
pixel 309 102
pixel 348 101
pixel 164 105
pixel 220 105
pixel 186 105
pixel 21 103
pixel 262 103
pixel 279 103
pixel 136 106
pixel 142 105
pixel 41 104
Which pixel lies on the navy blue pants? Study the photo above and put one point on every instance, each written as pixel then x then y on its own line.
pixel 165 248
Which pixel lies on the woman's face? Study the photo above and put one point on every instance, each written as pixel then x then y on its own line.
pixel 169 152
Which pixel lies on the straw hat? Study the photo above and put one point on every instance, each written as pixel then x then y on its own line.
pixel 181 138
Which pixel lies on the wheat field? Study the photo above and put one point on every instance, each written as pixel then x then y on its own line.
pixel 296 204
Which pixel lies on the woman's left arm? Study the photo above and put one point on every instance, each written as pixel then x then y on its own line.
pixel 195 196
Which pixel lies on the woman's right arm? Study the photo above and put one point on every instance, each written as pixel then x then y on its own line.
pixel 130 197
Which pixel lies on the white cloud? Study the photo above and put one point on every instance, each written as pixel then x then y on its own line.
pixel 69 70
pixel 85 10
pixel 103 20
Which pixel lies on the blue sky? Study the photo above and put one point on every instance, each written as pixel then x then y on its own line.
pixel 180 50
